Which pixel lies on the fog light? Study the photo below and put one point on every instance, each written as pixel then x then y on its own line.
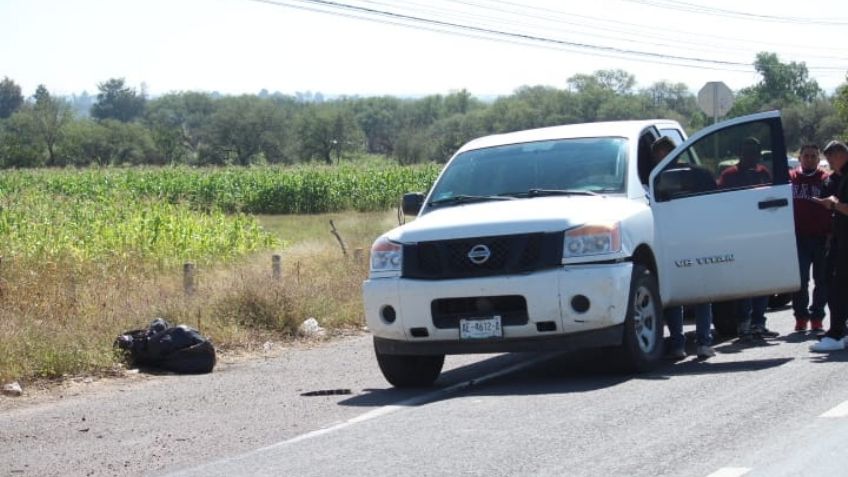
pixel 580 303
pixel 388 314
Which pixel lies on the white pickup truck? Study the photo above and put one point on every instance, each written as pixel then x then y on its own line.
pixel 567 237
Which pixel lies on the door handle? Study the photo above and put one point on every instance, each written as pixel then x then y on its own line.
pixel 773 203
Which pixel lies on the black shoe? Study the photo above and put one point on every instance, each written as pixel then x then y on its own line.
pixel 763 332
pixel 676 354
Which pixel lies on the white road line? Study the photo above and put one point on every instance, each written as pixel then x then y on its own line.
pixel 839 411
pixel 381 411
pixel 730 472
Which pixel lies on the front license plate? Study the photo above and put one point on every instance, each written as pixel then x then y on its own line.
pixel 480 328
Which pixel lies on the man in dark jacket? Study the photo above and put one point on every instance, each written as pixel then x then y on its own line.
pixel 836 153
pixel 812 228
pixel 749 172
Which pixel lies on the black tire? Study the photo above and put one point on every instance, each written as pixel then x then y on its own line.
pixel 407 371
pixel 642 347
pixel 726 317
pixel 780 300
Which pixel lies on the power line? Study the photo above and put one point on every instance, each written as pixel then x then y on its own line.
pixel 641 31
pixel 493 33
pixel 410 20
pixel 695 8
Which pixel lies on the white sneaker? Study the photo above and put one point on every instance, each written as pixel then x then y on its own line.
pixel 827 344
pixel 705 352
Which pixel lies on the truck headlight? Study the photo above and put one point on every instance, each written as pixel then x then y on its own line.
pixel 592 240
pixel 386 256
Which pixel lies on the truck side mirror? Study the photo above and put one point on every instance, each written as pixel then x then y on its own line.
pixel 412 202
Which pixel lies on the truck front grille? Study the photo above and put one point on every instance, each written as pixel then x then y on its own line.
pixel 482 256
pixel 448 311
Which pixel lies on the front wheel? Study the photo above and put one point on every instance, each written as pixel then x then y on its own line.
pixel 409 371
pixel 643 327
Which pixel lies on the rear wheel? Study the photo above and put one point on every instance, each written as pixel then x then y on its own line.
pixel 643 327
pixel 409 371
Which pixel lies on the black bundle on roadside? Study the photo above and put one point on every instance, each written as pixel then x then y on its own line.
pixel 180 349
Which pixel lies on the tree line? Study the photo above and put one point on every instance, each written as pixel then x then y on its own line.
pixel 125 127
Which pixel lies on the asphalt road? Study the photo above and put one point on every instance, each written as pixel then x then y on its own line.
pixel 768 410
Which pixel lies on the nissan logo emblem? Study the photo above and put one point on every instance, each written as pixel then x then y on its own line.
pixel 479 254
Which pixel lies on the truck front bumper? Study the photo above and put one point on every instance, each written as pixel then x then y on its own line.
pixel 566 308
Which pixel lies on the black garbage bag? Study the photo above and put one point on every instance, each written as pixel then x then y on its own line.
pixel 180 349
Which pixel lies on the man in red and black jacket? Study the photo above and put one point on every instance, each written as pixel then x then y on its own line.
pixel 812 227
pixel 836 153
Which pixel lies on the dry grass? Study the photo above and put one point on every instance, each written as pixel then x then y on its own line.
pixel 61 319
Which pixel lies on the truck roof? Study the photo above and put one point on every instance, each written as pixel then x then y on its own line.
pixel 627 129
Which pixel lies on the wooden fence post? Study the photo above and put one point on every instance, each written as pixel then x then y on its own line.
pixel 188 278
pixel 338 237
pixel 276 266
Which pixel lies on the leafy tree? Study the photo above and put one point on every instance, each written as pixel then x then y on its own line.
pixel 422 112
pixel 612 81
pixel 327 131
pixel 623 107
pixel 617 81
pixel 84 143
pixel 109 143
pixel 815 122
pixel 411 148
pixel 379 120
pixel 19 144
pixel 674 101
pixel 460 102
pixel 10 97
pixel 511 114
pixel 787 82
pixel 452 132
pixel 50 115
pixel 781 85
pixel 840 101
pixel 179 123
pixel 596 89
pixel 550 106
pixel 669 96
pixel 245 130
pixel 117 101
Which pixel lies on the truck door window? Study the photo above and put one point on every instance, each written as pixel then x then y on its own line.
pixel 735 157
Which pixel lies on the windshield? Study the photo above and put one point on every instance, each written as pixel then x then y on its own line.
pixel 585 165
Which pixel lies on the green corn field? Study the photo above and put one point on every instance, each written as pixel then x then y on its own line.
pixel 167 215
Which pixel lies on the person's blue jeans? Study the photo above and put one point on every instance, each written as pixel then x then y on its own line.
pixel 811 252
pixel 752 312
pixel 703 322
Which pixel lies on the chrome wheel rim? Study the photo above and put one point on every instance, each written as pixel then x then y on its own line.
pixel 645 319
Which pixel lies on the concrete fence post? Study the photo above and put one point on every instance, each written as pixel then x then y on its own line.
pixel 188 278
pixel 277 266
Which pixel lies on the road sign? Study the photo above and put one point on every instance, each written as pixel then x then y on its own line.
pixel 715 99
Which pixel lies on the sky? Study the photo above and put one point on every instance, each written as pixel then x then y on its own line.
pixel 408 48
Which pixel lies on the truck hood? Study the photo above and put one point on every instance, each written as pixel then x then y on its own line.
pixel 510 217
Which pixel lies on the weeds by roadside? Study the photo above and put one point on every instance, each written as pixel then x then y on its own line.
pixel 61 318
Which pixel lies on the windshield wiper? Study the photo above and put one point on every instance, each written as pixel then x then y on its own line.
pixel 467 199
pixel 546 192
